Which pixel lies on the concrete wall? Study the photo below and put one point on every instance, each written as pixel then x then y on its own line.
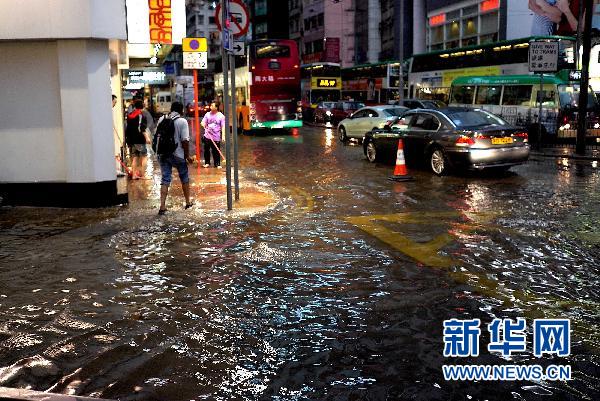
pixel 57 118
pixel 56 121
pixel 63 19
pixel 31 133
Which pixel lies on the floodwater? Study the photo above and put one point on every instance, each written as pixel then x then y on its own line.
pixel 338 293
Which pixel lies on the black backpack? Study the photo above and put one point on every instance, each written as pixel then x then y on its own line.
pixel 163 143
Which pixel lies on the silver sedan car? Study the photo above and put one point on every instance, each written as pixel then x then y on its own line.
pixel 367 119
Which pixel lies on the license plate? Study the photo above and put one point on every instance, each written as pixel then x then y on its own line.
pixel 501 141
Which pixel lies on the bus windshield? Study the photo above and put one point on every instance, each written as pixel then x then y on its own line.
pixel 324 95
pixel 272 51
pixel 569 97
pixel 474 118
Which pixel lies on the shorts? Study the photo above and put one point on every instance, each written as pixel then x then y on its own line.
pixel 166 168
pixel 138 149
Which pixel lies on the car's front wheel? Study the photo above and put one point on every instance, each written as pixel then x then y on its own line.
pixel 342 132
pixel 438 162
pixel 371 152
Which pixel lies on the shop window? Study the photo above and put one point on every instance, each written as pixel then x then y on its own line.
pixel 452 30
pixel 489 23
pixel 260 7
pixel 261 28
pixel 491 38
pixel 469 27
pixel 472 10
pixel 437 34
pixel 469 41
pixel 453 44
pixel 320 20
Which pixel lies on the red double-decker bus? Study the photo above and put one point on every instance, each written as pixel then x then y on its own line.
pixel 269 84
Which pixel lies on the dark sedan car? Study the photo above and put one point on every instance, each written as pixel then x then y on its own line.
pixel 450 138
pixel 323 112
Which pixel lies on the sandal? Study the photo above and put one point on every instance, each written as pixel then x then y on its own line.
pixel 161 212
pixel 189 205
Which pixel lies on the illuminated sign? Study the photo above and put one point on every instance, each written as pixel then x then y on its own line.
pixel 575 75
pixel 156 21
pixel 437 19
pixel 326 83
pixel 150 77
pixel 489 5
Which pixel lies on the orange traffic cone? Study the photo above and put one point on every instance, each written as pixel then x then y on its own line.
pixel 400 172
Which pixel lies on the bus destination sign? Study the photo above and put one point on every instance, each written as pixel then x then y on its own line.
pixel 327 83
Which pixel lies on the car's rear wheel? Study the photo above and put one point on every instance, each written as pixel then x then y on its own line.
pixel 342 132
pixel 438 162
pixel 371 152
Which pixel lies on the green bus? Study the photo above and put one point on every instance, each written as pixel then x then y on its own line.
pixel 516 99
pixel 430 74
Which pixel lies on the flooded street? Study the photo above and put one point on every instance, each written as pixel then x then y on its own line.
pixel 338 292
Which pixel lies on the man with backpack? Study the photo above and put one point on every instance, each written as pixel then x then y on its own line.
pixel 171 144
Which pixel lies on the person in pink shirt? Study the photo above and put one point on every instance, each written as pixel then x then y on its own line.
pixel 214 126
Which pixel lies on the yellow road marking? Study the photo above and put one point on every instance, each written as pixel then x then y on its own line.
pixel 428 254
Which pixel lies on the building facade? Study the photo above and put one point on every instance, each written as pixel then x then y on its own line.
pixel 201 23
pixel 269 19
pixel 324 30
pixel 460 23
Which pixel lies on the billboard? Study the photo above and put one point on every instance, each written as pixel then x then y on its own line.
pixel 552 17
pixel 156 21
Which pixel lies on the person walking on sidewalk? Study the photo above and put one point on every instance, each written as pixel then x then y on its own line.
pixel 178 159
pixel 136 137
pixel 214 127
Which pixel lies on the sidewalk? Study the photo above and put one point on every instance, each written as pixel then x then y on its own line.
pixel 208 191
pixel 567 152
pixel 14 394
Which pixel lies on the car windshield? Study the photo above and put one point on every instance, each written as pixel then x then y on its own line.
pixel 394 112
pixel 328 105
pixel 353 105
pixel 474 118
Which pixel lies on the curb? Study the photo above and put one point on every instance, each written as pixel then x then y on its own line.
pixel 565 156
pixel 18 394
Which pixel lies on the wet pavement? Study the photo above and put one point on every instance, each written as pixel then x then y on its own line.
pixel 333 286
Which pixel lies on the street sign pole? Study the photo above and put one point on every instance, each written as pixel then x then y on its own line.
pixel 224 57
pixel 236 182
pixel 541 96
pixel 196 118
pixel 401 57
pixel 585 74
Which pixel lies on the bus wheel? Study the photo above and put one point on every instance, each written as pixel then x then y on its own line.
pixel 343 136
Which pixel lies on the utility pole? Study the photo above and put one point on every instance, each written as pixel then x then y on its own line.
pixel 585 72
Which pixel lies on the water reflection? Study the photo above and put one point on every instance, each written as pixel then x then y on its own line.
pixel 297 303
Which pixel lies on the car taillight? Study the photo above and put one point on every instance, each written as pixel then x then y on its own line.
pixel 523 135
pixel 481 136
pixel 465 140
